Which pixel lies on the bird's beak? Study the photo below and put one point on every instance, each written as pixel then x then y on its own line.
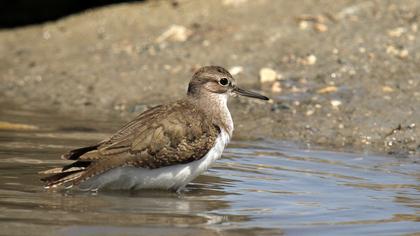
pixel 248 93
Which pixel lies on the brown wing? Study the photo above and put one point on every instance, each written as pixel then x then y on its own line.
pixel 161 136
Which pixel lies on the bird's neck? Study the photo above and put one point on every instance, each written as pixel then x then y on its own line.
pixel 214 105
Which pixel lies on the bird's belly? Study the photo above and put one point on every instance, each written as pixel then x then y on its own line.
pixel 170 177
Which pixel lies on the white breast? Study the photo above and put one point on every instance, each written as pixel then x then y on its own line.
pixel 223 111
pixel 170 177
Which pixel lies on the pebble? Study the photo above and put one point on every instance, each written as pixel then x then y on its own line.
pixel 233 2
pixel 276 87
pixel 317 22
pixel 414 28
pixel 309 60
pixel 387 89
pixel 397 32
pixel 310 112
pixel 267 75
pixel 175 33
pixel 411 37
pixel 321 27
pixel 401 53
pixel 206 43
pixel 312 18
pixel 336 103
pixel 46 35
pixel 236 70
pixel 328 89
pixel 303 25
pixel 4 125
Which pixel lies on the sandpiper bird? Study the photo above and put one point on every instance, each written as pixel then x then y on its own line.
pixel 164 147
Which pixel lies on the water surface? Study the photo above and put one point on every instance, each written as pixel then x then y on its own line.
pixel 258 188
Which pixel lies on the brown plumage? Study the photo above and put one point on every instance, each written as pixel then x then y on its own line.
pixel 162 136
pixel 167 135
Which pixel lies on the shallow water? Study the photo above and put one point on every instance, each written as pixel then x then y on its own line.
pixel 258 188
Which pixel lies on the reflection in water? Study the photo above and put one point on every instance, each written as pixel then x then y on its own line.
pixel 258 188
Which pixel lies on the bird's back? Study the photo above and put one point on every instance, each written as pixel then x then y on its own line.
pixel 163 136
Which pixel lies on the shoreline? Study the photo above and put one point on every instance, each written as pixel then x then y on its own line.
pixel 342 75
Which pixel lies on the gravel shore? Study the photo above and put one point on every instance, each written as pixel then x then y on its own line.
pixel 341 75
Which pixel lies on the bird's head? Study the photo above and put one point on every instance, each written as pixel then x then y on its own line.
pixel 217 80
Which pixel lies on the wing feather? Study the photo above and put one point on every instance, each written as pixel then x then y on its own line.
pixel 162 136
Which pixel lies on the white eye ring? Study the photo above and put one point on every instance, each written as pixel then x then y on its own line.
pixel 223 81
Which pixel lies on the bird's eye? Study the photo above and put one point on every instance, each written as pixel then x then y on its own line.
pixel 223 81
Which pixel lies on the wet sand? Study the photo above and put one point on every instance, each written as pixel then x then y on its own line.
pixel 343 75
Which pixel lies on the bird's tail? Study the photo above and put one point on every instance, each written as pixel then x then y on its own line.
pixel 58 176
pixel 71 173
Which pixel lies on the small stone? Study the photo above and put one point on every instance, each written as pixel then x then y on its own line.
pixel 233 2
pixel 387 89
pixel 176 69
pixel 46 34
pixel 366 139
pixel 312 18
pixel 397 32
pixel 120 107
pixel 336 103
pixel 310 112
pixel 295 89
pixel 276 87
pixel 309 60
pixel 411 37
pixel 279 106
pixel 391 50
pixel 236 70
pixel 321 27
pixel 403 53
pixel 328 89
pixel 175 33
pixel 4 125
pixel 267 75
pixel 303 25
pixel 414 28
